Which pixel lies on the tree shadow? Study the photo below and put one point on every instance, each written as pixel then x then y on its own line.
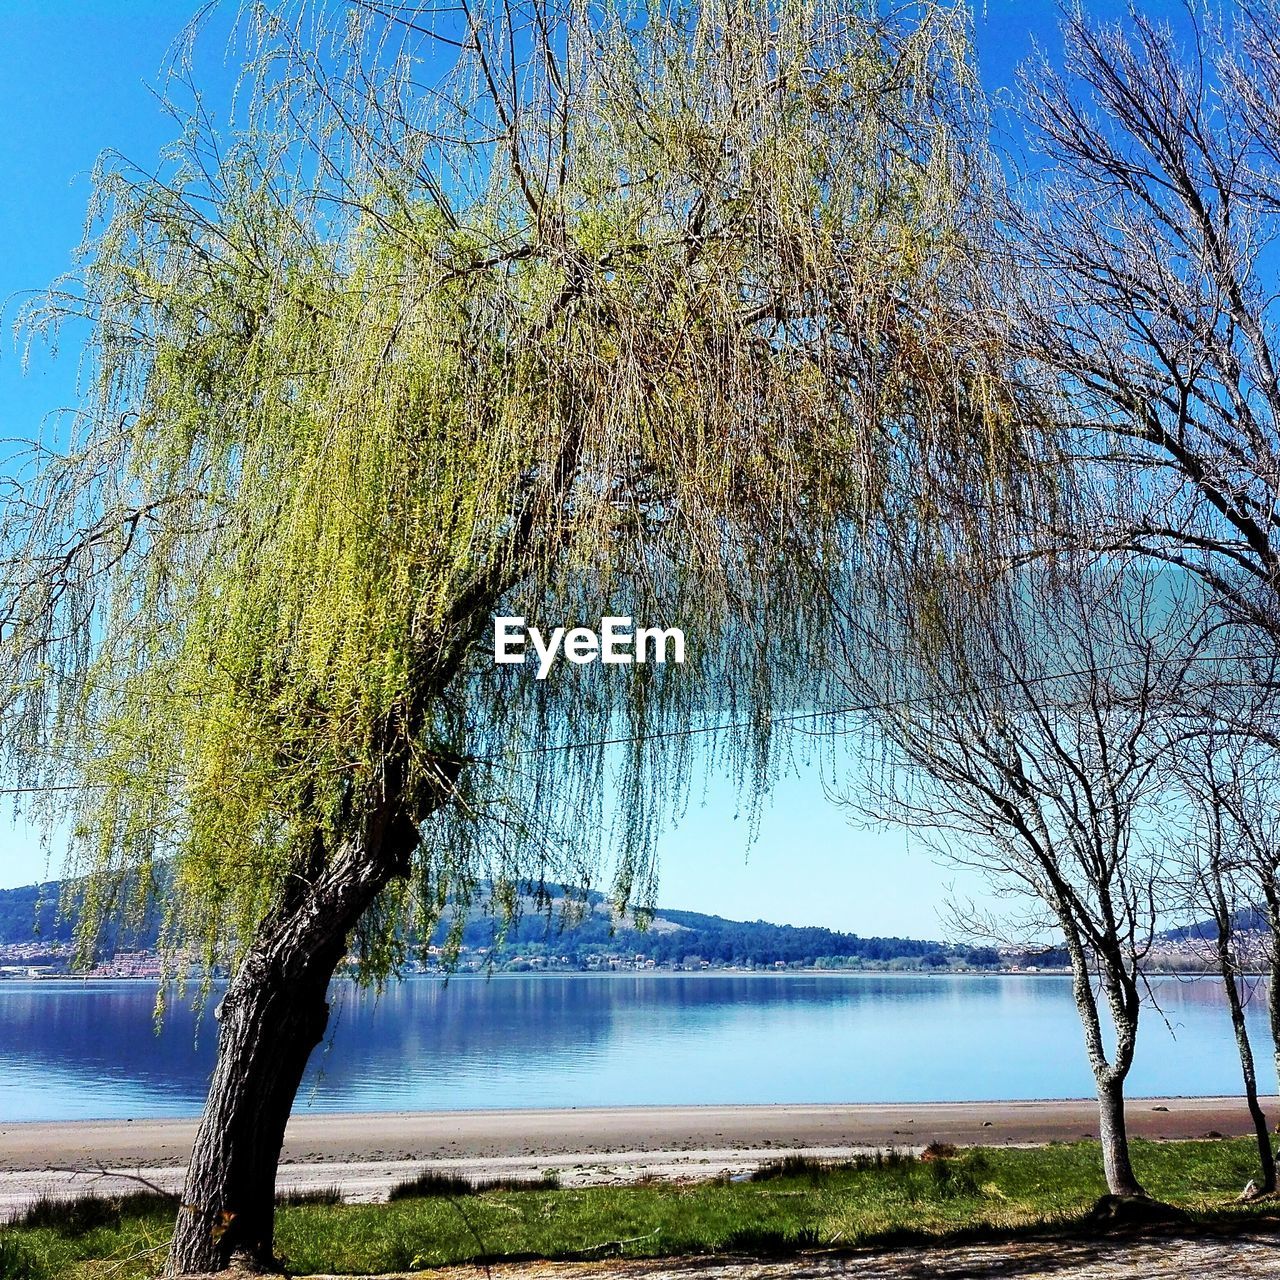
pixel 1077 1249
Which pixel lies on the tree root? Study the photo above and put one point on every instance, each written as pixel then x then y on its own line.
pixel 1111 1213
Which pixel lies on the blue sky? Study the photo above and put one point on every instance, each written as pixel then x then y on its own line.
pixel 74 80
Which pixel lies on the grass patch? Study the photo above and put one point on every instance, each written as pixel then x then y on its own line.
pixel 82 1214
pixel 309 1195
pixel 431 1183
pixel 72 1239
pixel 793 1205
pixel 816 1171
pixel 16 1263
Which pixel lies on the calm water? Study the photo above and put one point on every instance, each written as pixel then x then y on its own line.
pixel 79 1050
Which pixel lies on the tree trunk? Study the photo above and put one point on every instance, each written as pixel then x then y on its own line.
pixel 1266 1157
pixel 1108 1076
pixel 267 1031
pixel 273 1015
pixel 1227 967
pixel 1121 1180
pixel 1272 899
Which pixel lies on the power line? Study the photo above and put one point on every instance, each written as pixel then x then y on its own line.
pixel 862 708
pixel 797 717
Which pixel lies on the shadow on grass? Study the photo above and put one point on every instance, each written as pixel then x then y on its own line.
pixel 1052 1247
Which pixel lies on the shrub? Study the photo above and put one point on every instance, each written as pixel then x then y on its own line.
pixel 432 1183
pixel 950 1182
pixel 82 1214
pixel 820 1170
pixel 308 1195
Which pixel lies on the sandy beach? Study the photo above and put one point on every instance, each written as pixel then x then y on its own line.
pixel 364 1154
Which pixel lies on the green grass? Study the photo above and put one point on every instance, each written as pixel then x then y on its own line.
pixel 794 1205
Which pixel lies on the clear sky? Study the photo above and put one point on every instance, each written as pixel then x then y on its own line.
pixel 78 77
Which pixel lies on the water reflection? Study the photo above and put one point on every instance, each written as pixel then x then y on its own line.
pixel 73 1050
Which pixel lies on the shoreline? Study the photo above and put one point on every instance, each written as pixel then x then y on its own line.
pixel 562 1131
pixel 81 979
pixel 365 1153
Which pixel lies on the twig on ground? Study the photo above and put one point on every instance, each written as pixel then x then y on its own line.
pixel 133 1257
pixel 617 1244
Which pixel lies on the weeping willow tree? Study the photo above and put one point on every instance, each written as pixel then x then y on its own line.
pixel 554 312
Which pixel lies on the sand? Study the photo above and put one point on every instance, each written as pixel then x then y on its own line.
pixel 365 1154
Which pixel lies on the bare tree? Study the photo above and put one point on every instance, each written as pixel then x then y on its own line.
pixel 1252 806
pixel 1212 876
pixel 1150 293
pixel 1023 726
pixel 1150 289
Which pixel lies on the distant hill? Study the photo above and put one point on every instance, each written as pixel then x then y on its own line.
pixel 549 929
pixel 32 914
pixel 1246 920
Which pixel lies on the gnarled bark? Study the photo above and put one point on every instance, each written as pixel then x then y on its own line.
pixel 273 1015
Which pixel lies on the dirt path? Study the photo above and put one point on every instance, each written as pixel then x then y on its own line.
pixel 1235 1257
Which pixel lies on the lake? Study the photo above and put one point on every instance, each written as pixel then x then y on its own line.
pixel 80 1050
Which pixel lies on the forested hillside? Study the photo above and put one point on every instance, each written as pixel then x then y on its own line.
pixel 548 928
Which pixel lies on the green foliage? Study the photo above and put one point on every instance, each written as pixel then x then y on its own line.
pixel 641 328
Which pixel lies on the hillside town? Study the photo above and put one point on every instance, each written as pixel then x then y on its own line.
pixel 1174 954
